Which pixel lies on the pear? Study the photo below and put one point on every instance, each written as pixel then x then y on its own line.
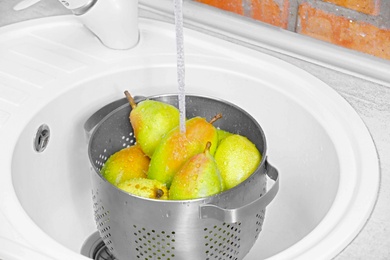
pixel 177 147
pixel 199 177
pixel 222 134
pixel 128 163
pixel 145 188
pixel 237 158
pixel 150 120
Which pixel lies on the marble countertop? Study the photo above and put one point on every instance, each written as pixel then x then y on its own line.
pixel 370 100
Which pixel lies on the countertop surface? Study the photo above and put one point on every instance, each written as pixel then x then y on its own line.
pixel 369 99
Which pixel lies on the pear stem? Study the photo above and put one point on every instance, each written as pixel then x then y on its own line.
pixel 215 118
pixel 207 148
pixel 130 99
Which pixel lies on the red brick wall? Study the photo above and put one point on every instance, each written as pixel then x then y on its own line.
pixel 364 6
pixel 362 25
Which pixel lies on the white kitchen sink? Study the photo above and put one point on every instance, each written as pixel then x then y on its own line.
pixel 54 72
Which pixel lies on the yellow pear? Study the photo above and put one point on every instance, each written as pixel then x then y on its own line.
pixel 222 134
pixel 146 188
pixel 151 120
pixel 199 177
pixel 177 147
pixel 237 158
pixel 128 163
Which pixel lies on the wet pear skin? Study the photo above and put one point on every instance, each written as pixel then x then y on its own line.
pixel 199 177
pixel 150 121
pixel 237 158
pixel 146 188
pixel 222 134
pixel 176 148
pixel 128 163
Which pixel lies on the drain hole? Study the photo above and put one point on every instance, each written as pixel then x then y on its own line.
pixel 102 253
pixel 95 248
pixel 41 139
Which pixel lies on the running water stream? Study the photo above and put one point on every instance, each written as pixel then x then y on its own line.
pixel 178 10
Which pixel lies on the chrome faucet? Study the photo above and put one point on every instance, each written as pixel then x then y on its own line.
pixel 114 22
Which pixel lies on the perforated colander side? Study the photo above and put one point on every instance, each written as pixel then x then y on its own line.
pixel 154 244
pixel 102 215
pixel 223 241
pixel 102 219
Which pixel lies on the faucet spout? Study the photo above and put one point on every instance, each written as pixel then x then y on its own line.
pixel 114 22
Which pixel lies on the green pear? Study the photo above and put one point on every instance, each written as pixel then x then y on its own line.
pixel 199 177
pixel 151 120
pixel 177 147
pixel 237 158
pixel 222 134
pixel 128 163
pixel 145 188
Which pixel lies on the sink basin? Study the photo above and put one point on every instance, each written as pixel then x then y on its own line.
pixel 55 73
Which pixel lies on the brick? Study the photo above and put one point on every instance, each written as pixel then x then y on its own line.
pixel 268 11
pixel 271 12
pixel 234 6
pixel 370 7
pixel 356 35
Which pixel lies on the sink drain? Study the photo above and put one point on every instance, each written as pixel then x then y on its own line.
pixel 41 139
pixel 95 248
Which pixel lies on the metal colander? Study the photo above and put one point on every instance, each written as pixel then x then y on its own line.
pixel 223 226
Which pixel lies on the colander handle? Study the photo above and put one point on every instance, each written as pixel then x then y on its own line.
pixel 234 215
pixel 96 117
